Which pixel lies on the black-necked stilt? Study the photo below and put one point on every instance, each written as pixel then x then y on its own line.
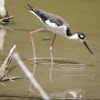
pixel 57 25
pixel 3 12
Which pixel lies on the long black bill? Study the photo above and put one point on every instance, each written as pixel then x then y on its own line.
pixel 87 47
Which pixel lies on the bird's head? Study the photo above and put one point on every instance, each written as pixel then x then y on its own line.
pixel 82 38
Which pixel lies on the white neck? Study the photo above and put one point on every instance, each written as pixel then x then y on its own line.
pixel 74 36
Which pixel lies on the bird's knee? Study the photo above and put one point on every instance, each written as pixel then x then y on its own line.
pixel 50 48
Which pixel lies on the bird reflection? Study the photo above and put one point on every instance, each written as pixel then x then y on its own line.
pixel 33 73
pixel 50 74
pixel 75 67
pixel 75 94
pixel 2 36
pixel 30 86
pixel 3 31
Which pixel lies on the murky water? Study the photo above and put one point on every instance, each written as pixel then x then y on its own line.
pixel 75 72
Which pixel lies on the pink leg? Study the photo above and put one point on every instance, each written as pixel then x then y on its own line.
pixel 33 42
pixel 51 48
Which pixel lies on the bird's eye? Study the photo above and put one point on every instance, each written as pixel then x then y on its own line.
pixel 82 37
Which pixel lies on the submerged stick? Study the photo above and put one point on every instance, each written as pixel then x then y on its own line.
pixel 10 17
pixel 31 78
pixel 4 66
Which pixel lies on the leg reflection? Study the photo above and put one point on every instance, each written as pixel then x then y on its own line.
pixel 51 76
pixel 30 86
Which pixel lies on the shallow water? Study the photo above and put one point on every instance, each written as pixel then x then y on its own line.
pixel 75 72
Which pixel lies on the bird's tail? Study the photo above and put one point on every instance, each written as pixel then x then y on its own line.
pixel 31 8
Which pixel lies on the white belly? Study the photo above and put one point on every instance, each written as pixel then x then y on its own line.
pixel 56 29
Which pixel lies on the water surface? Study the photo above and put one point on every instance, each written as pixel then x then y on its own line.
pixel 75 72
